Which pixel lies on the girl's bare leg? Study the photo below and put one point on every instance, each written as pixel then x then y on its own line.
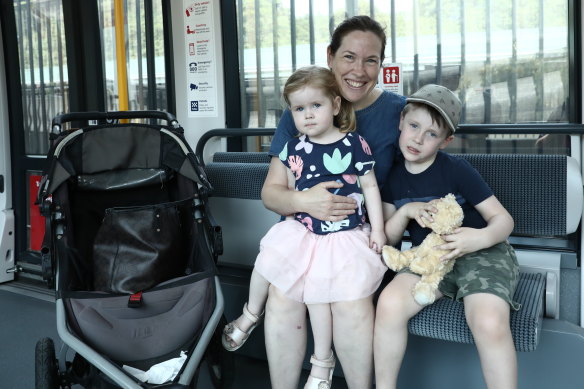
pixel 322 330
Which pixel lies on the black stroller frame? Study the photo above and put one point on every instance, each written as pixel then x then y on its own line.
pixel 139 316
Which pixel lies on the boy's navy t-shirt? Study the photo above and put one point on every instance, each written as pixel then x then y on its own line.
pixel 447 174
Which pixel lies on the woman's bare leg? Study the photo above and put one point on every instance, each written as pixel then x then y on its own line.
pixel 353 340
pixel 285 334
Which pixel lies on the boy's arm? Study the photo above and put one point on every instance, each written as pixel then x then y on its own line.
pixel 467 240
pixel 500 224
pixel 396 220
pixel 374 209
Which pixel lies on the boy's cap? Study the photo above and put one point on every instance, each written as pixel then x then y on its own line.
pixel 442 99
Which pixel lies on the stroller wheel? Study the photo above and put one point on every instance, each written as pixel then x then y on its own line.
pixel 46 368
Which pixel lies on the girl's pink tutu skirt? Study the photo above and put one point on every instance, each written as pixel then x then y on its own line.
pixel 315 269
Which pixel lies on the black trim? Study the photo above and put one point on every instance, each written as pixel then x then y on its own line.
pixel 18 160
pixel 232 80
pixel 574 61
pixel 84 56
pixel 168 57
pixel 150 65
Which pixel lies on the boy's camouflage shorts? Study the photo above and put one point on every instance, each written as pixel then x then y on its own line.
pixel 493 270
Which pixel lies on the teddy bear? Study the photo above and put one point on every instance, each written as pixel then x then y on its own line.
pixel 425 258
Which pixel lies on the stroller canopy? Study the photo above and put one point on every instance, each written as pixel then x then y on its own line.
pixel 93 154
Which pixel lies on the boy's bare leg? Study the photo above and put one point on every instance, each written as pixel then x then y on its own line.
pixel 488 319
pixel 285 334
pixel 395 307
pixel 322 331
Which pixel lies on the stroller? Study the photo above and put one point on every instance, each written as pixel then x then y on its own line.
pixel 129 247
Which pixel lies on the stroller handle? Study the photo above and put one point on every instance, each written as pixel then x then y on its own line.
pixel 112 115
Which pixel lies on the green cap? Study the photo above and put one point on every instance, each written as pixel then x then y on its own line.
pixel 442 99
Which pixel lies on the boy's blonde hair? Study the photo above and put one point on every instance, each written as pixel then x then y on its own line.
pixel 323 79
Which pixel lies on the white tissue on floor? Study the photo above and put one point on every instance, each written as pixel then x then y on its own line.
pixel 161 372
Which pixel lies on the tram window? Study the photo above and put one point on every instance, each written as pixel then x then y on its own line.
pixel 43 63
pixel 136 33
pixel 507 60
pixel 43 59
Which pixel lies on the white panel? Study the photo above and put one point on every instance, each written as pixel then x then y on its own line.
pixel 244 223
pixel 195 127
pixel 6 213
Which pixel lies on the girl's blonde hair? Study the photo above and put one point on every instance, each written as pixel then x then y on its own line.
pixel 323 79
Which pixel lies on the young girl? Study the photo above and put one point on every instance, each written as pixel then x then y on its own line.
pixel 314 261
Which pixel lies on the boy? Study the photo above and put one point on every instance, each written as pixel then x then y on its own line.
pixel 485 273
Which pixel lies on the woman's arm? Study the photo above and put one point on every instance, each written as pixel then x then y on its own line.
pixel 317 201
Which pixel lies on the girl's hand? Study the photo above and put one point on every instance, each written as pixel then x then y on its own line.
pixel 377 240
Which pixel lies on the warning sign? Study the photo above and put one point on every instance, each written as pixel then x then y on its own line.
pixel 390 78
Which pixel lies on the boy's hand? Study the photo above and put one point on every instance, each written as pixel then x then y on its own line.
pixel 377 240
pixel 462 241
pixel 422 212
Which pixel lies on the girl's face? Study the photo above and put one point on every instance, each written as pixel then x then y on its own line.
pixel 313 112
pixel 420 139
pixel 356 65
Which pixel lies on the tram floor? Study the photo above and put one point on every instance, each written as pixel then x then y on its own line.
pixel 27 314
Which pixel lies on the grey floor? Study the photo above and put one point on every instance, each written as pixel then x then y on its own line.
pixel 28 314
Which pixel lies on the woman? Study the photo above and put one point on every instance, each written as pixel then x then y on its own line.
pixel 354 55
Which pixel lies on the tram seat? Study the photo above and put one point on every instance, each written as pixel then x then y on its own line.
pixel 542 192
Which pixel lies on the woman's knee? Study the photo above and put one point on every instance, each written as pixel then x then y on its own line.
pixel 280 306
pixel 353 316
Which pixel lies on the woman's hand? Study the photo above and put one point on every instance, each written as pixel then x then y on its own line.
pixel 318 201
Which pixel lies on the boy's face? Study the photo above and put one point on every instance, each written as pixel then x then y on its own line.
pixel 421 138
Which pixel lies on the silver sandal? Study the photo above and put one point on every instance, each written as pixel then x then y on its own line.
pixel 319 383
pixel 233 334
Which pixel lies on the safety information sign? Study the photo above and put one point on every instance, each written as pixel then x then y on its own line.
pixel 201 80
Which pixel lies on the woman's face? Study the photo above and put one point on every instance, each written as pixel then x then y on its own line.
pixel 356 65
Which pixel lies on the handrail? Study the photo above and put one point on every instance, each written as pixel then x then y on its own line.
pixel 468 129
pixel 112 115
pixel 229 132
pixel 523 128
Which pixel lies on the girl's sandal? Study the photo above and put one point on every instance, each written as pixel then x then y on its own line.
pixel 233 334
pixel 319 383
